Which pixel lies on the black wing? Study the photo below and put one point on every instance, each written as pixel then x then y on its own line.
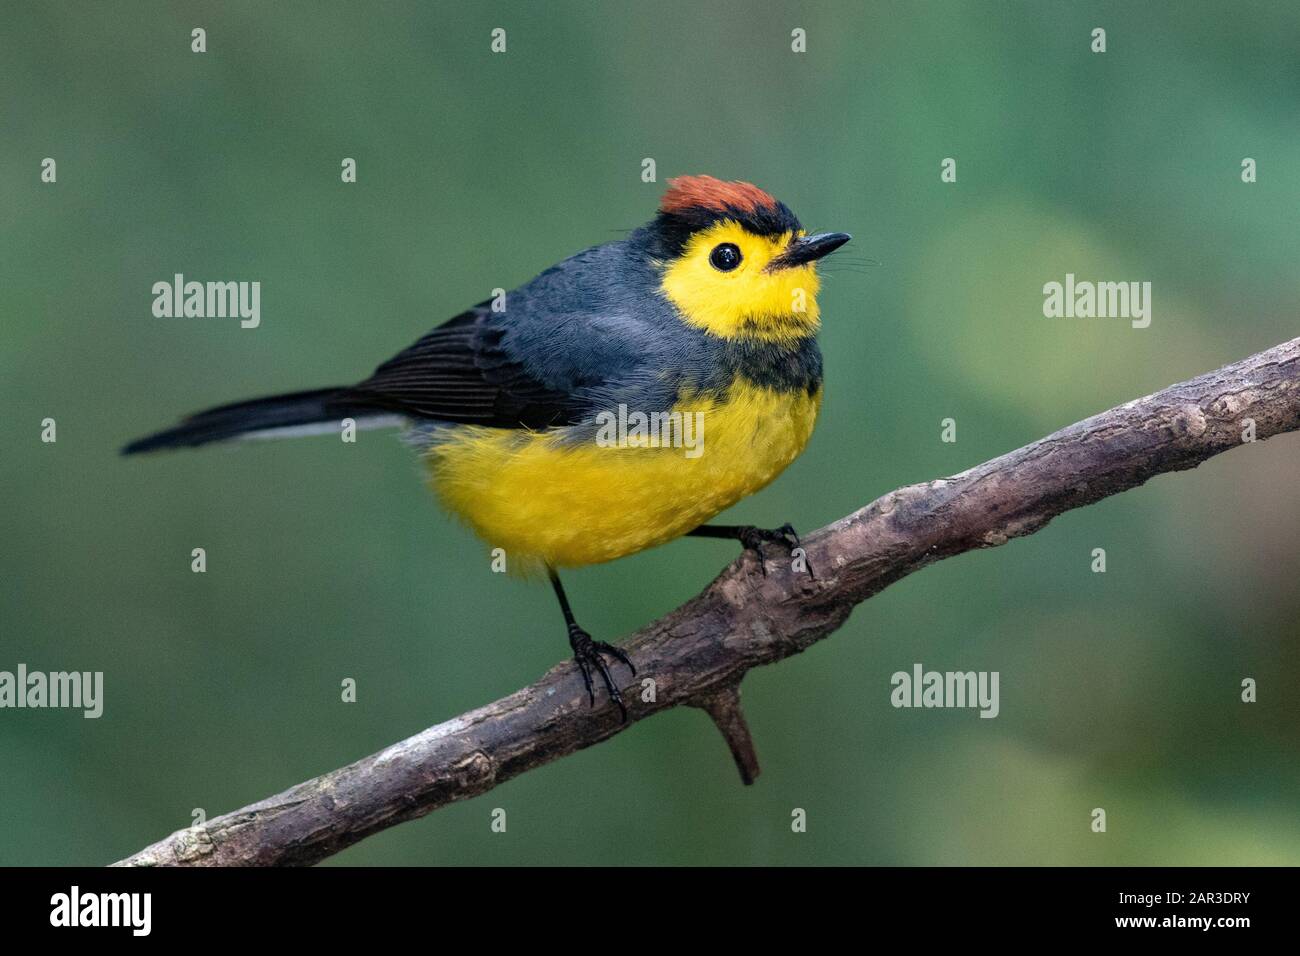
pixel 460 373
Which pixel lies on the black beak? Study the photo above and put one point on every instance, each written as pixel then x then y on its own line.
pixel 806 249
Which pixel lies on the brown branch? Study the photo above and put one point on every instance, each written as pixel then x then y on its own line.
pixel 723 708
pixel 698 654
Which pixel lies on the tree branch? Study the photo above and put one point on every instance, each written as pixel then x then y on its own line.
pixel 698 654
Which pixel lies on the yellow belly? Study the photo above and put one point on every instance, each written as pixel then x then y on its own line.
pixel 546 501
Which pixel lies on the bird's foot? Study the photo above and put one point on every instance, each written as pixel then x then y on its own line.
pixel 587 655
pixel 753 539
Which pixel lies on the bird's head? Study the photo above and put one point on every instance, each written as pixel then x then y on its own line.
pixel 735 261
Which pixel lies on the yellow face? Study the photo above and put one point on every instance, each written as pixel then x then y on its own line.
pixel 744 299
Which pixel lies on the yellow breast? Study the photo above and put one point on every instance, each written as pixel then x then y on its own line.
pixel 547 499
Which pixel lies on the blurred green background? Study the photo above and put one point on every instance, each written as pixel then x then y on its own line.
pixel 326 561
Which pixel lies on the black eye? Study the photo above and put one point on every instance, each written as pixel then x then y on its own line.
pixel 725 257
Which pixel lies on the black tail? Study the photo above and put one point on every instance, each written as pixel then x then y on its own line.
pixel 245 418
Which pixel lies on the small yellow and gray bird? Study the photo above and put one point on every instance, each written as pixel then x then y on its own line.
pixel 617 401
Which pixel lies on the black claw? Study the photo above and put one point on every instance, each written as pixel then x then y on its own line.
pixel 753 539
pixel 618 653
pixel 605 675
pixel 587 654
pixel 788 530
pixel 586 679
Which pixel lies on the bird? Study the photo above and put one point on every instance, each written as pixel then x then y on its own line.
pixel 617 401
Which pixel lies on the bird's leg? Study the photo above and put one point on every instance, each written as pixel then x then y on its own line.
pixel 754 538
pixel 586 652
